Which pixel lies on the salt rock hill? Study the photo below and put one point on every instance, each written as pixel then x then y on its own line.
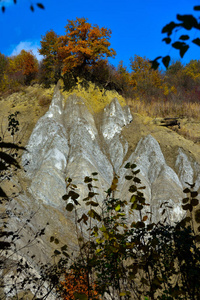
pixel 85 131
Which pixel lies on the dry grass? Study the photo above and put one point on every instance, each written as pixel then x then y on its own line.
pixel 187 112
pixel 44 100
pixel 171 109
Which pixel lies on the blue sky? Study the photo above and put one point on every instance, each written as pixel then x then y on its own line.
pixel 136 24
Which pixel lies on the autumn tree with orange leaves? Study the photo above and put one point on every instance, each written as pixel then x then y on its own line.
pixel 76 53
pixel 83 45
pixel 21 69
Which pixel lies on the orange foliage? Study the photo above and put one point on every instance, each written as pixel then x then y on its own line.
pixel 26 62
pixel 83 45
pixel 76 282
pixel 23 66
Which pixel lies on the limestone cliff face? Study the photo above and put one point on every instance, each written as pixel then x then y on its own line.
pixel 69 141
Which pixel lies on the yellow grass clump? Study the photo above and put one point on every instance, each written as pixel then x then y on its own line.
pixel 94 97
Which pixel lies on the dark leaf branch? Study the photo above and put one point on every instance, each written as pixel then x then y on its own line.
pixel 39 5
pixel 186 22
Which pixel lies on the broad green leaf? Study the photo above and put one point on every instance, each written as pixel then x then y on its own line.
pixel 183 50
pixel 128 177
pixel 197 7
pixel 87 179
pixel 69 207
pixel 189 21
pixel 133 199
pixel 118 207
pixel 185 200
pixel 106 235
pixel 73 195
pixel 166 61
pixel 186 191
pixel 92 203
pixel 95 173
pixel 84 218
pixel 187 207
pixel 127 166
pixel 93 214
pixel 98 250
pixel 57 252
pixel 134 205
pixel 56 241
pixel 169 28
pixel 184 37
pixel 65 253
pixel 194 194
pixel 137 180
pixel 99 241
pixel 178 45
pixel 51 239
pixel 139 207
pixel 40 5
pixel 122 294
pixel 133 166
pixel 89 186
pixel 64 248
pixel 65 197
pixel 92 194
pixel 103 228
pixel 140 224
pixel 132 189
pixel 154 64
pixel 194 202
pixel 167 40
pixel 136 172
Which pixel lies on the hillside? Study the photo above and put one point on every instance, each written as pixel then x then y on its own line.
pixel 33 102
pixel 72 135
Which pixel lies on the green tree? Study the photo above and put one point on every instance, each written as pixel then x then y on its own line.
pixel 50 67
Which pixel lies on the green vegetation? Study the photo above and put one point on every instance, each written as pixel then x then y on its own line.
pixel 123 254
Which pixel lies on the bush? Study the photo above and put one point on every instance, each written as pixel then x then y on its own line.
pixel 130 260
